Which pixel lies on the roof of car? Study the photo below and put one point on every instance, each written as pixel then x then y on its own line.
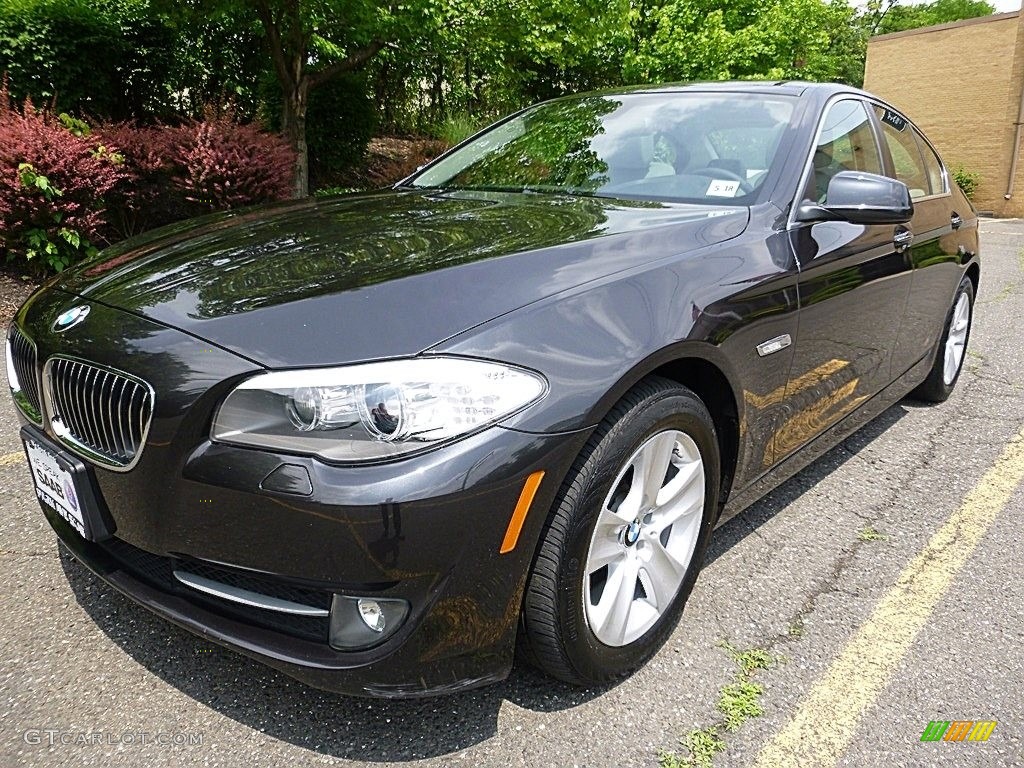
pixel 784 87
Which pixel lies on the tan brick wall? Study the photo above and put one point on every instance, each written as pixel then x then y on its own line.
pixel 961 83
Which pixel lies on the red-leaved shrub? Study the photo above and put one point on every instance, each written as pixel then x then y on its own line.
pixel 225 164
pixel 213 164
pixel 52 186
pixel 61 191
pixel 147 197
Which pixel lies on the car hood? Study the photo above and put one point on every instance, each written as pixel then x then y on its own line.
pixel 330 281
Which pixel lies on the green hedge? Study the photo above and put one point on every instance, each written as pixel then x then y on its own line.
pixel 106 58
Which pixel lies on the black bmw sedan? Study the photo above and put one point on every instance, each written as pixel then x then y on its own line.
pixel 381 441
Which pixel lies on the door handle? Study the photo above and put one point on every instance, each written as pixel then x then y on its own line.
pixel 902 239
pixel 955 221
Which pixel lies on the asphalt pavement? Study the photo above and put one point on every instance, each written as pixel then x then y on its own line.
pixel 806 579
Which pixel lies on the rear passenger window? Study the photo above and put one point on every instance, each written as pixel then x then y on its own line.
pixel 932 167
pixel 909 163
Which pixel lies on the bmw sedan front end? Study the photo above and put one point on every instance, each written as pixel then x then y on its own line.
pixel 208 489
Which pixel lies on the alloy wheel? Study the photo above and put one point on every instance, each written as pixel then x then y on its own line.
pixel 644 538
pixel 956 339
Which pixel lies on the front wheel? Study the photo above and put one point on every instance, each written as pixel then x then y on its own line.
pixel 949 359
pixel 622 550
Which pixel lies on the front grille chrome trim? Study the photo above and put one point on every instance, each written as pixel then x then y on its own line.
pixel 100 413
pixel 247 597
pixel 24 359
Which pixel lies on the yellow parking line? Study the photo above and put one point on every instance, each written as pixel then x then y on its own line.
pixel 826 719
pixel 11 458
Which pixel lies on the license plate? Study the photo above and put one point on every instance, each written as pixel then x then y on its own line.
pixel 55 485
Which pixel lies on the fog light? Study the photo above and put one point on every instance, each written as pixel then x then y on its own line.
pixel 371 613
pixel 363 622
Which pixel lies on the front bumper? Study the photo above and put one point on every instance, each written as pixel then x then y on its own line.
pixel 426 529
pixel 443 557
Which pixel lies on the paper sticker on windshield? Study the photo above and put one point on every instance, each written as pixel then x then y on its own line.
pixel 722 188
pixel 896 121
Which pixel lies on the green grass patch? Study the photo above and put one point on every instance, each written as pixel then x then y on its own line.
pixel 868 533
pixel 701 746
pixel 738 701
pixel 456 128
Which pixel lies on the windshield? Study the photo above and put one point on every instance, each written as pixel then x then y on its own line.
pixel 713 148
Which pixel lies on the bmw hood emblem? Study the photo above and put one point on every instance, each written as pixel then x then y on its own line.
pixel 70 318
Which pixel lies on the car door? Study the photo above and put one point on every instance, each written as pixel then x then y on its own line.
pixel 853 286
pixel 933 253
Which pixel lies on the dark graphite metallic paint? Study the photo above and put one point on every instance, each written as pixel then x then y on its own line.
pixel 594 293
pixel 413 267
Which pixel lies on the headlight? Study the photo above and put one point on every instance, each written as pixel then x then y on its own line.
pixel 373 411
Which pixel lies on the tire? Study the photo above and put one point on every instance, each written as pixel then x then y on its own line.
pixel 572 627
pixel 956 332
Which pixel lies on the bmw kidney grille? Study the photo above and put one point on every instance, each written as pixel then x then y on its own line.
pixel 102 412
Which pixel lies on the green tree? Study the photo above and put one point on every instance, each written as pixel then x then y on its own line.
pixel 689 40
pixel 477 58
pixel 219 57
pixel 797 39
pixel 698 39
pixel 312 42
pixel 885 16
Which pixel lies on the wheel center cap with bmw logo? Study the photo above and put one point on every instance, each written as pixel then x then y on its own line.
pixel 69 318
pixel 632 533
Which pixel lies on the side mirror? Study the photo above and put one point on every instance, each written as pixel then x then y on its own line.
pixel 861 198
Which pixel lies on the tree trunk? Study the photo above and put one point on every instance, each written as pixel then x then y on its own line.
pixel 288 40
pixel 293 126
pixel 437 93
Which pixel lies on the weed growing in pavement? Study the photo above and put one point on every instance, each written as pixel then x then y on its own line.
pixel 868 533
pixel 738 701
pixel 975 360
pixel 701 743
pixel 751 660
pixel 1008 290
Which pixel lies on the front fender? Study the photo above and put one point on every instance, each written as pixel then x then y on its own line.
pixel 715 304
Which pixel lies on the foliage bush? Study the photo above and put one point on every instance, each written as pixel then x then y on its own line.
pixel 968 181
pixel 199 166
pixel 52 187
pixel 220 163
pixel 107 58
pixel 66 187
pixel 148 196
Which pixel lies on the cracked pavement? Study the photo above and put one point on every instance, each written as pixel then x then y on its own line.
pixel 790 574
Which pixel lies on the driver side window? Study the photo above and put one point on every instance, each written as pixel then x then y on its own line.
pixel 846 143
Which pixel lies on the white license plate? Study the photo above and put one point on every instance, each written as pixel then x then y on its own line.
pixel 55 485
